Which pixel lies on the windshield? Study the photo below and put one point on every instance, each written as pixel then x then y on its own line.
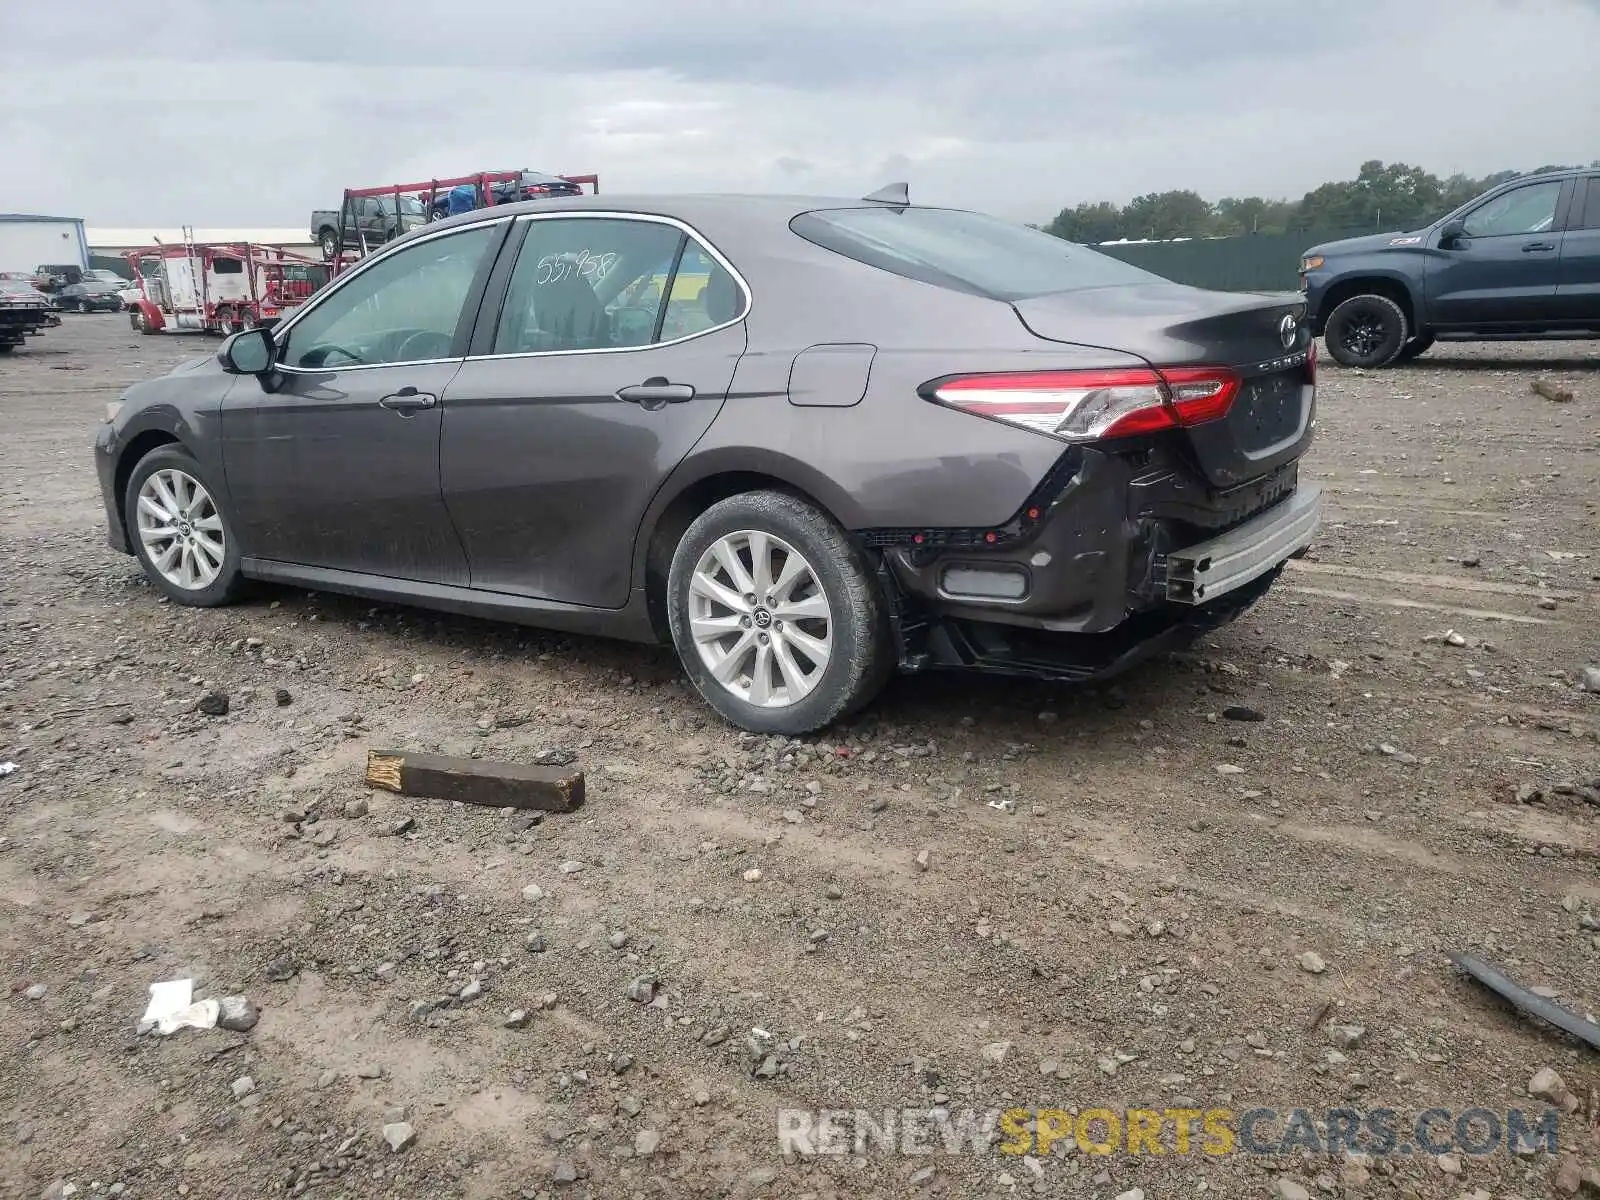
pixel 411 206
pixel 964 251
pixel 17 285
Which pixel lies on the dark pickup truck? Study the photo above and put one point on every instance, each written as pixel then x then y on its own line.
pixel 1521 261
pixel 372 220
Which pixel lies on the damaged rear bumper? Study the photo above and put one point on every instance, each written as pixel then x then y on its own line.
pixel 1224 564
pixel 1104 590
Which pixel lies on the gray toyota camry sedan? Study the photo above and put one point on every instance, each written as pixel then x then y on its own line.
pixel 807 441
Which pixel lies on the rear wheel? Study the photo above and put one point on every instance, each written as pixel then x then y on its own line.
pixel 776 616
pixel 1415 348
pixel 329 240
pixel 1366 331
pixel 179 531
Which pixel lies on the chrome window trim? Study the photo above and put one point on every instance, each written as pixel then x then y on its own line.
pixel 280 333
pixel 654 218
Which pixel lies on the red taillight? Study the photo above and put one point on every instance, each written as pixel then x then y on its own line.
pixel 1083 406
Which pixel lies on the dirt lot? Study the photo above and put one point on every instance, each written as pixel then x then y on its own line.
pixel 1130 935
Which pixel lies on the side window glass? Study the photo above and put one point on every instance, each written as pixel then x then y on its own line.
pixel 1521 211
pixel 1591 206
pixel 586 283
pixel 404 308
pixel 704 295
pixel 595 283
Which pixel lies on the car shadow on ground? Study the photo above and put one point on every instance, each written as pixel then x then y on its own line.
pixel 924 699
pixel 1434 360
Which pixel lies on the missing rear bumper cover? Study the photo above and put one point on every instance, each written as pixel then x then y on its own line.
pixel 1203 572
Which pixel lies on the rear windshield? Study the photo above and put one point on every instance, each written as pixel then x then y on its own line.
pixel 964 251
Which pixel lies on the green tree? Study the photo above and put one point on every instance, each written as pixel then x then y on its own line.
pixel 1088 223
pixel 1167 215
pixel 1232 216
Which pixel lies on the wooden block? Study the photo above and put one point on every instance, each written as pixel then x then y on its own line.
pixel 1550 391
pixel 476 780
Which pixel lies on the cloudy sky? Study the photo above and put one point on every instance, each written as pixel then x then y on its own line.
pixel 253 112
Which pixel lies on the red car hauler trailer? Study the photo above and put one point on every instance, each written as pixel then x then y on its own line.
pixel 351 237
pixel 218 287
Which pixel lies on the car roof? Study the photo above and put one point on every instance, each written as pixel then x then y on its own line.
pixel 691 207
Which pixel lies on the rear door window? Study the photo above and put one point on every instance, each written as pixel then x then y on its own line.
pixel 1590 217
pixel 964 251
pixel 611 283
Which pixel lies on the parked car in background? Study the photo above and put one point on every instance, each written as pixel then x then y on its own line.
pixel 92 295
pixel 50 279
pixel 532 185
pixel 372 220
pixel 863 436
pixel 1520 261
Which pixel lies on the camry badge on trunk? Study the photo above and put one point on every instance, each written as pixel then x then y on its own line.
pixel 1287 329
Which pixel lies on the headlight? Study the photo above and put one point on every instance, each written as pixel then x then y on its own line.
pixel 1311 262
pixel 112 409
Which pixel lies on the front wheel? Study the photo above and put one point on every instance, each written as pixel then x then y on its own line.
pixel 1366 331
pixel 179 531
pixel 776 616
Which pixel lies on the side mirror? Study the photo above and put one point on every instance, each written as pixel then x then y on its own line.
pixel 1452 231
pixel 248 352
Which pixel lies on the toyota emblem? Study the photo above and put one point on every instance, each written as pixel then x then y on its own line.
pixel 1288 330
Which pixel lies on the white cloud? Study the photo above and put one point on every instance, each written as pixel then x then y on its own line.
pixel 1017 106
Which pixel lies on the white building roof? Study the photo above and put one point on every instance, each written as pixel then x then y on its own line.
pixel 99 237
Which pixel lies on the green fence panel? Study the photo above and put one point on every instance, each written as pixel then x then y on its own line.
pixel 1263 262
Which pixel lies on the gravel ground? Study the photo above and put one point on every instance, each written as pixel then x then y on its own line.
pixel 1140 928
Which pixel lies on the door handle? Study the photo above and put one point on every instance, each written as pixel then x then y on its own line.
pixel 655 393
pixel 1538 247
pixel 408 401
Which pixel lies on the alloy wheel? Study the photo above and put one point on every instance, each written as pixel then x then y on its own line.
pixel 1364 335
pixel 181 529
pixel 759 618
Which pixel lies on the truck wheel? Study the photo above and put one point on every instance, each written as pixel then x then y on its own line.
pixel 1366 331
pixel 330 244
pixel 136 319
pixel 1416 347
pixel 776 617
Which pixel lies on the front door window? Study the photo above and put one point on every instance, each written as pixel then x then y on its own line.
pixel 406 307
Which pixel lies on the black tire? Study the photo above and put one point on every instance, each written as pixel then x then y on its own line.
pixel 862 657
pixel 230 583
pixel 1366 331
pixel 1415 348
pixel 328 239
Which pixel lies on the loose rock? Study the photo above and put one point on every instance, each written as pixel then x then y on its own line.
pixel 1311 962
pixel 399 1135
pixel 237 1013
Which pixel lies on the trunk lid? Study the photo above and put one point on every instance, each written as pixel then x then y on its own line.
pixel 1169 325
